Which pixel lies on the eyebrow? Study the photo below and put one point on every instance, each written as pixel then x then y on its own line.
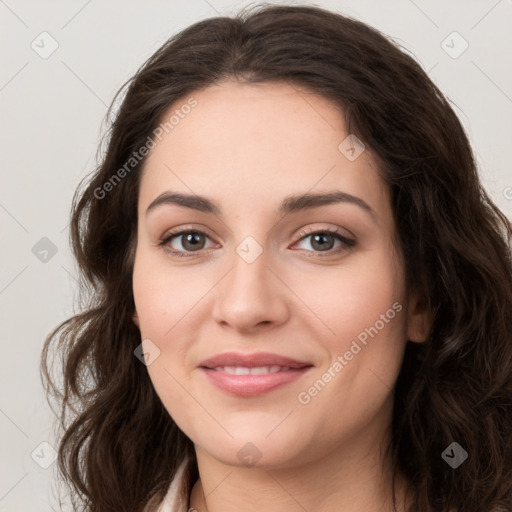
pixel 290 204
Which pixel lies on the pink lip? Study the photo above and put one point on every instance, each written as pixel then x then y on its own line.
pixel 252 360
pixel 252 385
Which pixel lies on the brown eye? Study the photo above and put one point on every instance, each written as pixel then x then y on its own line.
pixel 192 241
pixel 323 241
pixel 183 242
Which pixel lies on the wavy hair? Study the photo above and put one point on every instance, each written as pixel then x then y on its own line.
pixel 121 448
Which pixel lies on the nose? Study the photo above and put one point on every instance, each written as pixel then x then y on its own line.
pixel 251 295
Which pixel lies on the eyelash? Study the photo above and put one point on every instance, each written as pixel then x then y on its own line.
pixel 302 235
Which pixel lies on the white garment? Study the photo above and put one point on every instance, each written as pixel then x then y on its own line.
pixel 178 495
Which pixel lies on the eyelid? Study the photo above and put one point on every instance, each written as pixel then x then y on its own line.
pixel 311 231
pixel 185 229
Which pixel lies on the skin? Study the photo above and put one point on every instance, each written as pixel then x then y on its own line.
pixel 247 147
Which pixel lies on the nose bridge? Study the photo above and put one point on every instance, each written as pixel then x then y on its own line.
pixel 250 293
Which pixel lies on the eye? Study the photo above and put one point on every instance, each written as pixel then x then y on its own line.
pixel 193 241
pixel 190 240
pixel 323 240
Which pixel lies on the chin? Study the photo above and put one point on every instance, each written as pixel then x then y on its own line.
pixel 251 447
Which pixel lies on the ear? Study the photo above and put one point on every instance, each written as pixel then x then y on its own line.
pixel 135 319
pixel 419 318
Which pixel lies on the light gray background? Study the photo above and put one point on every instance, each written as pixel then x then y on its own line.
pixel 52 113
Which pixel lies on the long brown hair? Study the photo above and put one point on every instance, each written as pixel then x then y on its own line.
pixel 121 447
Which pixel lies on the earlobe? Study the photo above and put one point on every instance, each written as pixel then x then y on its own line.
pixel 135 319
pixel 419 319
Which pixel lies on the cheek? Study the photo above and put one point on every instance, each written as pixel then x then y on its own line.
pixel 159 315
pixel 362 312
pixel 162 297
pixel 354 297
pixel 167 305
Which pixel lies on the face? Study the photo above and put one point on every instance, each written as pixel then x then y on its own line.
pixel 253 269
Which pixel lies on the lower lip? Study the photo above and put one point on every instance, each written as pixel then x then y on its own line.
pixel 252 385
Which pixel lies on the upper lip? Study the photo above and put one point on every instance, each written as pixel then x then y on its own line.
pixel 252 360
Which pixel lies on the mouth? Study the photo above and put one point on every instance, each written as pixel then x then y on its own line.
pixel 250 375
pixel 254 360
pixel 245 370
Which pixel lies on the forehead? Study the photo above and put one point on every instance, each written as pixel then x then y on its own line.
pixel 256 143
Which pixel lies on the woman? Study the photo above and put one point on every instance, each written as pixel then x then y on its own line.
pixel 301 293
